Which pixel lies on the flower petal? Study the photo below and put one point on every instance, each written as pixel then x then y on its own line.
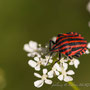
pixel 65 65
pixel 50 74
pixel 88 7
pixel 32 54
pixel 60 77
pixel 32 63
pixel 87 51
pixel 63 60
pixel 57 73
pixel 37 75
pixel 70 72
pixel 43 62
pixel 38 83
pixel 88 45
pixel 47 81
pixel 50 60
pixel 33 45
pixel 76 63
pixel 27 48
pixel 37 68
pixel 68 78
pixel 36 58
pixel 57 66
pixel 44 71
pixel 29 54
pixel 71 62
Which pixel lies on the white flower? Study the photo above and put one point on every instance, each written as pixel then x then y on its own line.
pixel 87 52
pixel 64 75
pixel 74 62
pixel 55 70
pixel 32 48
pixel 35 64
pixel 62 60
pixel 43 79
pixel 88 7
pixel 88 45
pixel 63 63
pixel 49 58
pixel 46 60
pixel 38 62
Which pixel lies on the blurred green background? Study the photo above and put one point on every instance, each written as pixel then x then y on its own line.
pixel 38 20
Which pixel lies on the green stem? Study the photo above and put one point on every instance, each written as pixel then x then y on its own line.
pixel 73 86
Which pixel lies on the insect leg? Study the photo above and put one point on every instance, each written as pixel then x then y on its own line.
pixel 59 57
pixel 70 57
pixel 50 44
pixel 50 47
pixel 77 55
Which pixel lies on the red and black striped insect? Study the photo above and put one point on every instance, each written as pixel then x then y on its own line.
pixel 70 44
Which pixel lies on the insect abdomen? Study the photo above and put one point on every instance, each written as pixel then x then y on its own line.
pixel 70 45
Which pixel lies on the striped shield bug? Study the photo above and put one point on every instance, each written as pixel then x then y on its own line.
pixel 70 44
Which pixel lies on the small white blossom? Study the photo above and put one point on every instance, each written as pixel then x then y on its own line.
pixel 32 48
pixel 87 52
pixel 38 61
pixel 64 75
pixel 63 63
pixel 88 45
pixel 43 79
pixel 62 60
pixel 47 60
pixel 74 62
pixel 88 7
pixel 35 64
pixel 55 70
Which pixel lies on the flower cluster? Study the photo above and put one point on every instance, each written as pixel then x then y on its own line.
pixel 40 62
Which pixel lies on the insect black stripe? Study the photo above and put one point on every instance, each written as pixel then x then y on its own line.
pixel 74 49
pixel 66 37
pixel 69 39
pixel 70 44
